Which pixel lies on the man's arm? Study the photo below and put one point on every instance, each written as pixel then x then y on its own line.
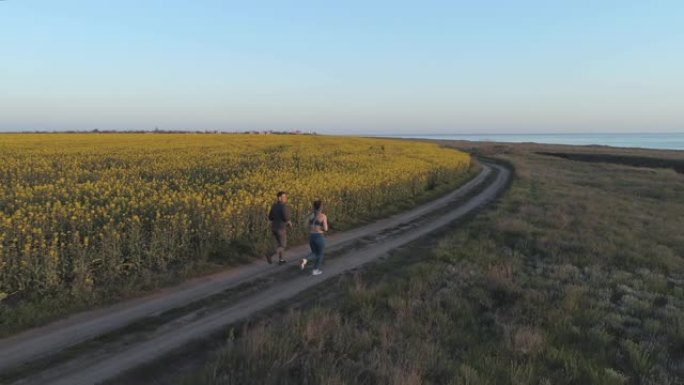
pixel 286 216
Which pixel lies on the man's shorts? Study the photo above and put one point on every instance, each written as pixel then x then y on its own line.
pixel 280 237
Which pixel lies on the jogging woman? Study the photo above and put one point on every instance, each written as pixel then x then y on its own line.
pixel 318 224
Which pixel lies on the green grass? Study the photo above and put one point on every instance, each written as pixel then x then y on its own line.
pixel 575 277
pixel 635 161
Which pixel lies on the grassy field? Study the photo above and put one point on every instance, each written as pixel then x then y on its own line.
pixel 90 218
pixel 575 277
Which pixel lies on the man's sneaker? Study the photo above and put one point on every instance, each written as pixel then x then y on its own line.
pixel 317 272
pixel 303 264
pixel 282 261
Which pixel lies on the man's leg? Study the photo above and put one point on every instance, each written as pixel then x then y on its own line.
pixel 278 250
pixel 281 238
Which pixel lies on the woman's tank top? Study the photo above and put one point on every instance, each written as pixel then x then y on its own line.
pixel 314 221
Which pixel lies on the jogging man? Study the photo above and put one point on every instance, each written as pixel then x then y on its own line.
pixel 279 217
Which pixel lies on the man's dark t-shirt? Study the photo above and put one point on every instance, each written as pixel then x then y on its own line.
pixel 279 216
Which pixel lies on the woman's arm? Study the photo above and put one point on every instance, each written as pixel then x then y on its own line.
pixel 325 222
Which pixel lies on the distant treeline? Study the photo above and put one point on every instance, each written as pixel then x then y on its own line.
pixel 158 131
pixel 635 161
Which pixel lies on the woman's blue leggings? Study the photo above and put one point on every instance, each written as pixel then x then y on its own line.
pixel 317 244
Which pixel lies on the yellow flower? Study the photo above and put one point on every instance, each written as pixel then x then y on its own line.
pixel 182 190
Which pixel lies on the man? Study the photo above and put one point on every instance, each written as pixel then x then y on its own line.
pixel 279 217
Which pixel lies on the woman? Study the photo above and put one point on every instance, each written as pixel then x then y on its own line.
pixel 318 224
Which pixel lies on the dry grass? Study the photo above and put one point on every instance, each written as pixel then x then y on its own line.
pixel 575 277
pixel 528 340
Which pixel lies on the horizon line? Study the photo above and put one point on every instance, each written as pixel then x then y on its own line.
pixel 301 131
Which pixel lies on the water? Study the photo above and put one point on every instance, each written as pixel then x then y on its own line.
pixel 666 141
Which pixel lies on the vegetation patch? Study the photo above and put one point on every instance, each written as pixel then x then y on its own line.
pixel 563 282
pixel 87 219
pixel 634 161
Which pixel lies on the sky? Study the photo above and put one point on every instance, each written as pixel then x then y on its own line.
pixel 343 67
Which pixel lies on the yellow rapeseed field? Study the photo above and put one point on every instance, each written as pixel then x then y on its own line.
pixel 86 211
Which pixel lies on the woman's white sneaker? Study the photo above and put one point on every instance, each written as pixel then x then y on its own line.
pixel 317 272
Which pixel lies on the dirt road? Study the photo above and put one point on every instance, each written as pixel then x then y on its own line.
pixel 106 362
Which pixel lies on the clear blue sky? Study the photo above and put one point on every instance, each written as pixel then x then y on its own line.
pixel 343 66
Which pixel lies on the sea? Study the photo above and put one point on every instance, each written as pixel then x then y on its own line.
pixel 665 141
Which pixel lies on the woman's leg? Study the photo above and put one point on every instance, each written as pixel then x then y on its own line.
pixel 320 248
pixel 314 247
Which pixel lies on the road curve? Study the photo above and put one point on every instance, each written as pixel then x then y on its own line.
pixel 52 338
